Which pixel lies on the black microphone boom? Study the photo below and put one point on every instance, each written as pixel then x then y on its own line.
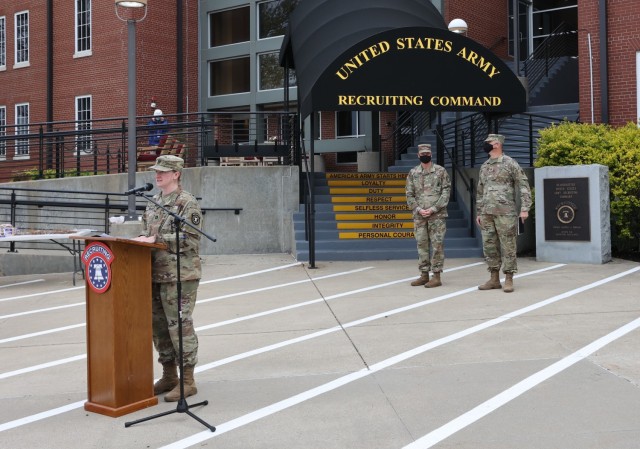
pixel 145 188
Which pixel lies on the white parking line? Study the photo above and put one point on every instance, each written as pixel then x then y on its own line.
pixel 330 386
pixel 21 283
pixel 29 369
pixel 40 333
pixel 245 292
pixel 30 312
pixel 288 284
pixel 518 389
pixel 56 411
pixel 319 300
pixel 238 276
pixel 49 292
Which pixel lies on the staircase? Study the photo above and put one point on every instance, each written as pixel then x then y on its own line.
pixel 364 216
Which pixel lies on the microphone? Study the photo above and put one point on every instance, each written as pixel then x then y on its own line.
pixel 145 188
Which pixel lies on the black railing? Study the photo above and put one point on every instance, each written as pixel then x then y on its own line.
pixel 560 43
pixel 406 130
pixel 37 210
pixel 464 137
pixel 61 149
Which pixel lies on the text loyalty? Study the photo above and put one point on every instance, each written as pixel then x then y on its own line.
pixel 414 43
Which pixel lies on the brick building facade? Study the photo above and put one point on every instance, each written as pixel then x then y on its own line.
pixel 620 106
pixel 62 75
pixel 94 65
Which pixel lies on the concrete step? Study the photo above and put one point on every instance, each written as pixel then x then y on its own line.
pixel 364 216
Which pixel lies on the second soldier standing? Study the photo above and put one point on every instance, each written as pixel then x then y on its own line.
pixel 428 188
pixel 500 179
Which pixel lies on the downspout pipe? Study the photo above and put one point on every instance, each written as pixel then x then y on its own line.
pixel 179 58
pixel 49 61
pixel 604 63
pixel 48 161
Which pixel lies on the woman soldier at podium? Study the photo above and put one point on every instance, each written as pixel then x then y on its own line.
pixel 159 228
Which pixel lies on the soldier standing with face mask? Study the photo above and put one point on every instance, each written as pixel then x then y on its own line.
pixel 500 178
pixel 428 188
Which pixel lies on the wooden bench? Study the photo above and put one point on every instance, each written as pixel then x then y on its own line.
pixel 168 145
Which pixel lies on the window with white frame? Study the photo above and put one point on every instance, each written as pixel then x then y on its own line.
pixel 22 129
pixel 83 125
pixel 21 38
pixel 3 42
pixel 83 27
pixel 3 132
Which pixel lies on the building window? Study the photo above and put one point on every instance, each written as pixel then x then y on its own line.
pixel 83 125
pixel 273 17
pixel 229 76
pixel 348 124
pixel 3 42
pixel 83 27
pixel 3 132
pixel 22 129
pixel 229 26
pixel 270 74
pixel 22 38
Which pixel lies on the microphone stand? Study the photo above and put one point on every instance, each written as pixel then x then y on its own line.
pixel 183 406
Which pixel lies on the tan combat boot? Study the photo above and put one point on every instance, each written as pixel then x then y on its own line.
pixel 189 386
pixel 492 283
pixel 423 279
pixel 508 283
pixel 435 280
pixel 169 378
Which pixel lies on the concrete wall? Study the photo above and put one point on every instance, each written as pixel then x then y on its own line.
pixel 268 197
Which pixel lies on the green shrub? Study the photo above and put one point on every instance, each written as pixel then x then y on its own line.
pixel 33 174
pixel 618 149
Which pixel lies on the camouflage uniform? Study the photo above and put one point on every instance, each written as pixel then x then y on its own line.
pixel 429 189
pixel 496 206
pixel 164 274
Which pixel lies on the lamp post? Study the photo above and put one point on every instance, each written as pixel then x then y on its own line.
pixel 131 120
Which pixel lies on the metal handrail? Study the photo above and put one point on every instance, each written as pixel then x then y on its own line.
pixel 406 130
pixel 546 55
pixel 83 209
pixel 59 149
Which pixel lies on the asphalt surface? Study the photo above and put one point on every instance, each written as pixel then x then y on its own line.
pixel 349 355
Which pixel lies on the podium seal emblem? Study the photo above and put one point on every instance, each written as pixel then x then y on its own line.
pixel 97 258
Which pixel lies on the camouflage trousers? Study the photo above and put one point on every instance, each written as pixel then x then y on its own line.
pixel 164 309
pixel 430 233
pixel 499 242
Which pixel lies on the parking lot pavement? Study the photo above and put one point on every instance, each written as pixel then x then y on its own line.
pixel 349 355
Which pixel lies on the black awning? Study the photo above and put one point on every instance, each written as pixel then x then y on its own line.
pixel 321 30
pixel 392 55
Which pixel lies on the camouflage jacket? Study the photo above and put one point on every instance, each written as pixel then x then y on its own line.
pixel 499 180
pixel 428 189
pixel 159 223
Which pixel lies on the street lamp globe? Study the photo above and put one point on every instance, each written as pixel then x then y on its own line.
pixel 131 4
pixel 458 26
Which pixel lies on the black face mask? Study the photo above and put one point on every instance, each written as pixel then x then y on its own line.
pixel 487 147
pixel 425 159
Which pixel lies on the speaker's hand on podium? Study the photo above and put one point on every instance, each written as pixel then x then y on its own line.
pixel 142 238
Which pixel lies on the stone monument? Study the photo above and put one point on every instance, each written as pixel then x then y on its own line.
pixel 573 214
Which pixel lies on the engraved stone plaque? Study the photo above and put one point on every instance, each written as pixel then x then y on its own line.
pixel 566 209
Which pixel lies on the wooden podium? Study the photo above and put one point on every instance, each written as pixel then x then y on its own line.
pixel 119 334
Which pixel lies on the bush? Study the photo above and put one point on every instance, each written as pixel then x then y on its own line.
pixel 618 149
pixel 34 174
